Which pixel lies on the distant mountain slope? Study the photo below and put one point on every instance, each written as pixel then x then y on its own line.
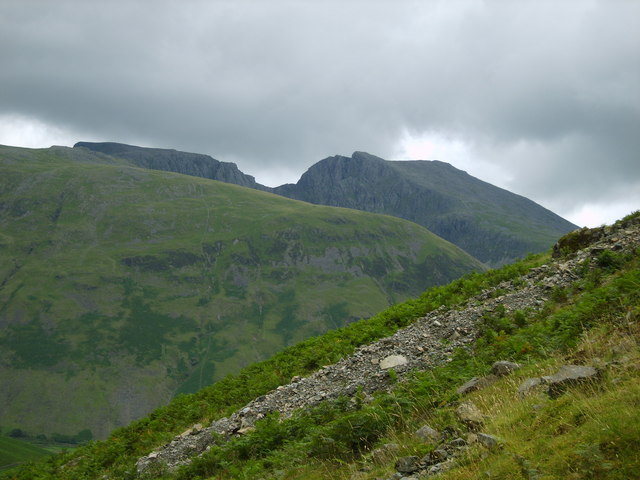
pixel 194 164
pixel 120 286
pixel 492 224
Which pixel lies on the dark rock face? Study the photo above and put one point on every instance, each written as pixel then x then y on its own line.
pixel 492 224
pixel 193 164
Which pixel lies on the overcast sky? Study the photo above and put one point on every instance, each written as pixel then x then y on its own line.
pixel 539 97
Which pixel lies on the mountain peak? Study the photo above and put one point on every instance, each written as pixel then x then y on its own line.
pixel 357 155
pixel 493 224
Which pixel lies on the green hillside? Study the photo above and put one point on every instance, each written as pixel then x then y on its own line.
pixel 120 286
pixel 589 429
pixel 14 452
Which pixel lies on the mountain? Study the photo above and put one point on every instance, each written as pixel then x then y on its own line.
pixel 492 224
pixel 194 164
pixel 529 371
pixel 121 286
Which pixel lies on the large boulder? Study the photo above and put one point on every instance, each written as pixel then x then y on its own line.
pixel 392 361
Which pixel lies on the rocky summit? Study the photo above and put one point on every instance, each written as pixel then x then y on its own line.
pixel 492 224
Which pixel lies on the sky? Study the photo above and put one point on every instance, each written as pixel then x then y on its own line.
pixel 539 97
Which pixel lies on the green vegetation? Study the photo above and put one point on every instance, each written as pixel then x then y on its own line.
pixel 121 286
pixel 592 431
pixel 14 451
pixel 118 454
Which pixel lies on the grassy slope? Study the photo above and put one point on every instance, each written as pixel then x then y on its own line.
pixel 120 286
pixel 119 452
pixel 14 451
pixel 495 210
pixel 594 431
pixel 590 432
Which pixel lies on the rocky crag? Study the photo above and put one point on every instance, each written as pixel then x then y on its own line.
pixel 492 224
pixel 420 346
pixel 194 164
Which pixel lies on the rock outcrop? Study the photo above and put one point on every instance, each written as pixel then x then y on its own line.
pixel 193 164
pixel 434 194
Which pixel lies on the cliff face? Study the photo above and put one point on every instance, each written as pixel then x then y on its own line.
pixel 185 163
pixel 492 224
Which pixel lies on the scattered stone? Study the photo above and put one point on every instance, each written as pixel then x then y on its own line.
pixel 382 453
pixel 569 375
pixel 437 456
pixel 392 361
pixel 529 386
pixel 476 383
pixel 428 434
pixel 488 441
pixel 470 415
pixel 458 442
pixel 408 464
pixel 503 368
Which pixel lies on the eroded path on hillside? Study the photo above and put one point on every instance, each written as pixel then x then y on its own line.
pixel 428 342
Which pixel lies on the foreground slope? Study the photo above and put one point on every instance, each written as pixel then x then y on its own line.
pixel 121 286
pixel 492 224
pixel 582 307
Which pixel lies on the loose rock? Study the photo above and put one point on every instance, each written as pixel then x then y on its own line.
pixel 392 361
pixel 408 464
pixel 470 415
pixel 503 368
pixel 428 434
pixel 569 375
pixel 476 383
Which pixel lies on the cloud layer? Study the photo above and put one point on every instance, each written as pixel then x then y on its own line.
pixel 541 97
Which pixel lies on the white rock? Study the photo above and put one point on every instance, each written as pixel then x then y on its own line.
pixel 392 361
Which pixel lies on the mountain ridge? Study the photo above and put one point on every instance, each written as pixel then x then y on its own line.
pixel 490 223
pixel 170 160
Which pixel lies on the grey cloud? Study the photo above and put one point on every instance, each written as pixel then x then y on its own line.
pixel 280 85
